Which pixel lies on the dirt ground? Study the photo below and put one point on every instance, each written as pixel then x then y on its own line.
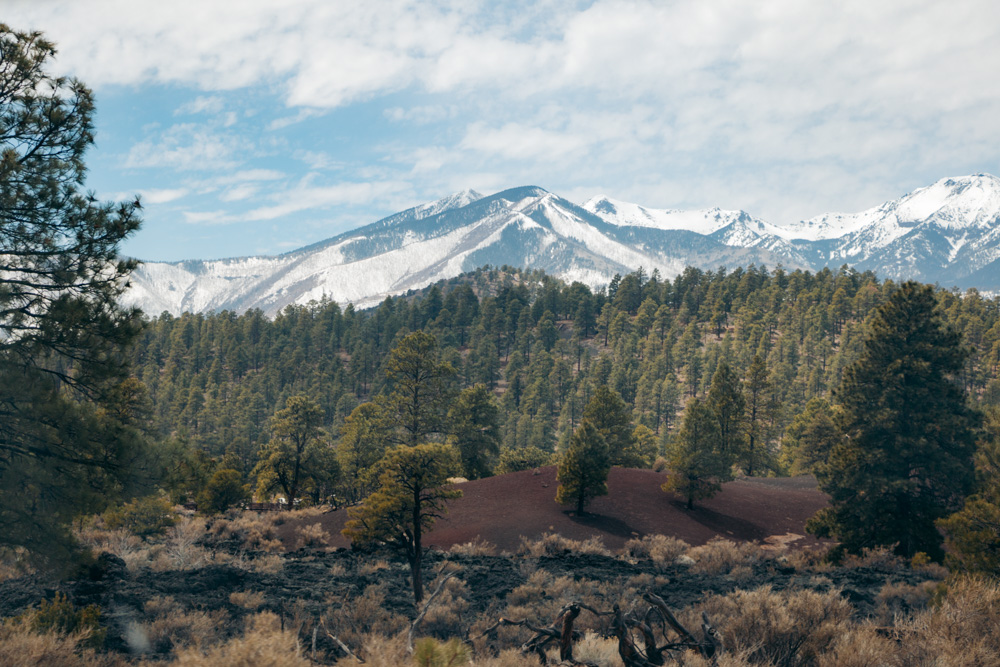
pixel 502 509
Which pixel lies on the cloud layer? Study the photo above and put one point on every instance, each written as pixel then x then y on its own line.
pixel 781 107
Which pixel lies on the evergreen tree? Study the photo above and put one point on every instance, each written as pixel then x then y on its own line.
pixel 62 329
pixel 608 413
pixel 759 407
pixel 906 456
pixel 418 388
pixel 727 401
pixel 413 488
pixel 973 533
pixel 583 469
pixel 474 425
pixel 698 463
pixel 294 454
pixel 362 444
pixel 809 438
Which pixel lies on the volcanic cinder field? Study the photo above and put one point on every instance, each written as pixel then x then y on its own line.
pixel 503 509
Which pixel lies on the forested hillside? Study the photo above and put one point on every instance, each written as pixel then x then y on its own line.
pixel 542 347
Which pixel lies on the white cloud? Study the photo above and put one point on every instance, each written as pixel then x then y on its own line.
pixel 162 196
pixel 201 104
pixel 187 146
pixel 308 197
pixel 781 105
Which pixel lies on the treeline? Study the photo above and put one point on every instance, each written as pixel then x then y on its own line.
pixel 540 348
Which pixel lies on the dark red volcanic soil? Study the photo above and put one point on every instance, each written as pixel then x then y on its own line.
pixel 504 508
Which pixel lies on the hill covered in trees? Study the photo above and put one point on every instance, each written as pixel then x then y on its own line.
pixel 541 348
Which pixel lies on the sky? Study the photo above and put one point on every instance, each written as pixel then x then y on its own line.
pixel 259 126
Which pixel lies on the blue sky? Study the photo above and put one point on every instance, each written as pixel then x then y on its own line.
pixel 258 126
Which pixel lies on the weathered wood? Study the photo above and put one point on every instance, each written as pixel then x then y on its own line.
pixel 342 645
pixel 423 610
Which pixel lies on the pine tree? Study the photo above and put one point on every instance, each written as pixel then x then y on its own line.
pixel 727 401
pixel 906 456
pixel 294 454
pixel 609 414
pixel 698 464
pixel 413 488
pixel 758 416
pixel 418 388
pixel 62 330
pixel 583 469
pixel 474 426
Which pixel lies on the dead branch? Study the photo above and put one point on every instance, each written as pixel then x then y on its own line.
pixel 423 611
pixel 342 645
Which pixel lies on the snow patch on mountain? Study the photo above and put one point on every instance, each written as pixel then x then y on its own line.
pixel 948 232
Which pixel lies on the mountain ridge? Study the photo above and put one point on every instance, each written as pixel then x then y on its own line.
pixel 946 232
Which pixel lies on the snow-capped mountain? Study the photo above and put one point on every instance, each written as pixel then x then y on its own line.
pixel 948 232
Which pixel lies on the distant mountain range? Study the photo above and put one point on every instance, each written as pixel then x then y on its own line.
pixel 947 233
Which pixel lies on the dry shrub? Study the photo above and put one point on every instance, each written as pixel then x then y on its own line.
pixel 255 530
pixel 14 563
pixel 247 599
pixel 897 600
pixel 172 627
pixel 805 559
pixel 964 629
pixel 269 564
pixel 553 544
pixel 445 616
pixel 379 650
pixel 312 535
pixel 720 556
pixel 477 547
pixel 22 647
pixel 540 598
pixel 878 558
pixel 662 550
pixel 366 614
pixel 371 567
pixel 182 551
pixel 787 628
pixel 263 643
pixel 862 647
pixel 597 650
pixel 133 550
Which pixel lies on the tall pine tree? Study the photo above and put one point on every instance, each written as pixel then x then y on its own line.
pixel 905 458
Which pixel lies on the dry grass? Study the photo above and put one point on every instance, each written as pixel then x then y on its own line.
pixel 766 627
pixel 262 643
pixel 551 544
pixel 311 535
pixel 352 619
pixel 721 556
pixel 660 549
pixel 477 547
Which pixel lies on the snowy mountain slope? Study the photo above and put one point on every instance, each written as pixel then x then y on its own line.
pixel 948 232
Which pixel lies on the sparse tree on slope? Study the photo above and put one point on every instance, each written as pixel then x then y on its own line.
pixel 583 470
pixel 698 464
pixel 412 494
pixel 906 456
